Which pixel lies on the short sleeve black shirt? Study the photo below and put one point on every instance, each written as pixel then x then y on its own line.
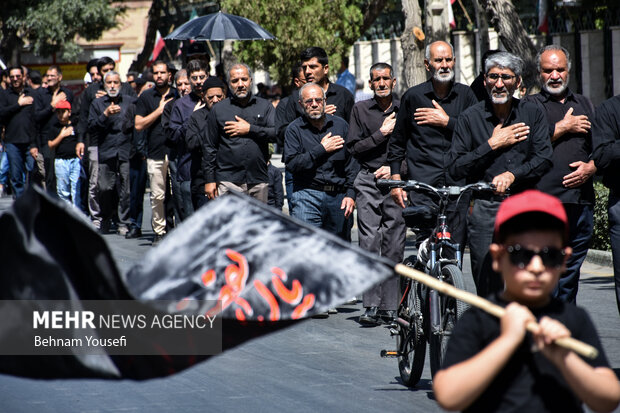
pixel 529 382
pixel 155 134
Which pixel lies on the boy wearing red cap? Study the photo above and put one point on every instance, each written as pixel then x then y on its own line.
pixel 66 163
pixel 495 364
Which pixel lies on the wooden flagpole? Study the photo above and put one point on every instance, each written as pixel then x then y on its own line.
pixel 570 343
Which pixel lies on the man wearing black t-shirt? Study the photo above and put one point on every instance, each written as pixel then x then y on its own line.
pixel 149 108
pixel 570 178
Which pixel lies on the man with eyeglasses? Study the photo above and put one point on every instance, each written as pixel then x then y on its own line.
pixel 197 72
pixel 323 168
pixel 17 116
pixel 236 146
pixel 570 178
pixel 315 67
pixel 423 134
pixel 501 140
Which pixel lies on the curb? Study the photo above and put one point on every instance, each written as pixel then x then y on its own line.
pixel 598 257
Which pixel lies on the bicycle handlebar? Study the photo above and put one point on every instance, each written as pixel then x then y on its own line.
pixel 447 190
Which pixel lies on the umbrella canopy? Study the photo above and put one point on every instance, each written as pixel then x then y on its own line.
pixel 220 26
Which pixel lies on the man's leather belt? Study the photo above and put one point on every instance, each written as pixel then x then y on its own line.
pixel 327 188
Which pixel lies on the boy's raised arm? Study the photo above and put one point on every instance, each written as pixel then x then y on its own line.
pixel 598 387
pixel 460 385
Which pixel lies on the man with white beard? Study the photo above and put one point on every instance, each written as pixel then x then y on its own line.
pixel 570 178
pixel 107 121
pixel 502 140
pixel 423 133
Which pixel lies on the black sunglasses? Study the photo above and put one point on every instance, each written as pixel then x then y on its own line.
pixel 551 257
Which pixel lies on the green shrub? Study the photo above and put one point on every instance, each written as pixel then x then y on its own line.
pixel 600 235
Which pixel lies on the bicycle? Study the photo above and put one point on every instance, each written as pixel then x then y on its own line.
pixel 425 316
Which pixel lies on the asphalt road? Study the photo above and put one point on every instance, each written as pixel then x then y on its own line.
pixel 329 365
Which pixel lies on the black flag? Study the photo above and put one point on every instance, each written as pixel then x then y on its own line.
pixel 265 268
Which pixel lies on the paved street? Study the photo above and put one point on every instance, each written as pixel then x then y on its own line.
pixel 329 365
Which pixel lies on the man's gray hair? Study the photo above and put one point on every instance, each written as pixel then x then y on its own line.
pixel 309 85
pixel 427 51
pixel 504 60
pixel 111 73
pixel 181 73
pixel 236 66
pixel 557 48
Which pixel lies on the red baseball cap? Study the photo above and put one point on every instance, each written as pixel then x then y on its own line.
pixel 530 201
pixel 64 104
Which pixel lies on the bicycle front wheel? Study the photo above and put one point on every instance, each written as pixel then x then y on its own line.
pixel 410 342
pixel 451 310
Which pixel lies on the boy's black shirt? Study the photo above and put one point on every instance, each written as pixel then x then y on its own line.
pixel 529 382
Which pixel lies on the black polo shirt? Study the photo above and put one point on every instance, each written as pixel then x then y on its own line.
pixel 155 134
pixel 471 156
pixel 606 141
pixel 239 159
pixel 569 148
pixel 308 161
pixel 365 140
pixel 336 95
pixel 426 148
pixel 18 120
pixel 113 136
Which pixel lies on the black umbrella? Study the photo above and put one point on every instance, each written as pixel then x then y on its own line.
pixel 220 26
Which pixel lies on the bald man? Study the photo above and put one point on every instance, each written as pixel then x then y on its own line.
pixel 423 133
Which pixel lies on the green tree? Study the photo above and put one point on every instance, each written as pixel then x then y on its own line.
pixel 50 26
pixel 331 24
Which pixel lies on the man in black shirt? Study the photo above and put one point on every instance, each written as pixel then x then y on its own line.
pixel 45 102
pixel 379 219
pixel 315 66
pixel 17 116
pixel 423 134
pixel 214 91
pixel 149 108
pixel 236 147
pixel 107 123
pixel 501 140
pixel 570 178
pixel 182 109
pixel 323 169
pixel 88 141
pixel 606 154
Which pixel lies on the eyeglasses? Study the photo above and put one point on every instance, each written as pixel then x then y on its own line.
pixel 317 100
pixel 551 257
pixel 494 77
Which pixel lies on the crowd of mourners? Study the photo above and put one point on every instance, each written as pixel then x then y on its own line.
pixel 191 137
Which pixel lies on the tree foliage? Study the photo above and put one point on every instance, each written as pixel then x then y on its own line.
pixel 50 26
pixel 331 24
